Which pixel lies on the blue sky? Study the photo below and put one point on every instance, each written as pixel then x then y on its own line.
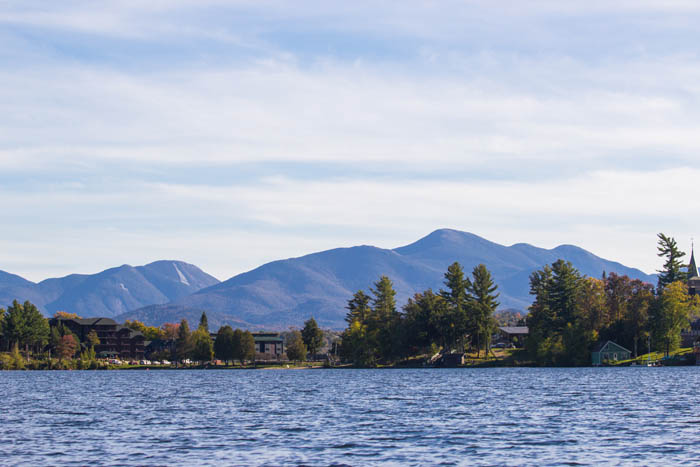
pixel 228 134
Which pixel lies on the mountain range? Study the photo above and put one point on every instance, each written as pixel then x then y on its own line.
pixel 284 293
pixel 110 292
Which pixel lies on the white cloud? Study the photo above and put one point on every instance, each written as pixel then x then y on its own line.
pixel 613 214
pixel 520 122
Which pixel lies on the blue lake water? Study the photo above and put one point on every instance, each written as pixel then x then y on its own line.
pixel 510 416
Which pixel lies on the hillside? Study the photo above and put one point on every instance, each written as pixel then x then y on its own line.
pixel 110 292
pixel 286 292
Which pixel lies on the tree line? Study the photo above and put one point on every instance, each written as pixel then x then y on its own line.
pixel 571 313
pixel 458 317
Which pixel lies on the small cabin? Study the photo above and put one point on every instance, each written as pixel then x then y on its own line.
pixel 609 352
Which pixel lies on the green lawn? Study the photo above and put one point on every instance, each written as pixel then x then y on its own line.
pixel 677 356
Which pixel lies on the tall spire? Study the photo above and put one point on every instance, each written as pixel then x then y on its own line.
pixel 692 267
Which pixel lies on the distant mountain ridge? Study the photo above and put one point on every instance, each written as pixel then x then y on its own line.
pixel 110 292
pixel 284 293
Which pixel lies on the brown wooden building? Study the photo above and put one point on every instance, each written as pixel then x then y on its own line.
pixel 115 340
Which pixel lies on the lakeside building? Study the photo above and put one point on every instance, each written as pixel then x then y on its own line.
pixel 515 335
pixel 609 352
pixel 115 340
pixel 268 346
pixel 689 337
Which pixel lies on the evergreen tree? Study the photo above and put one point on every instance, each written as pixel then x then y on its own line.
pixel 224 344
pixel 482 289
pixel 312 336
pixel 458 319
pixel 183 342
pixel 25 326
pixel 383 326
pixel 564 293
pixel 673 267
pixel 384 300
pixel 356 344
pixel 203 322
pixel 558 333
pixel 296 350
pixel 421 321
pixel 358 308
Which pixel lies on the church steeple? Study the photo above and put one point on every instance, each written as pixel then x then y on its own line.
pixel 692 267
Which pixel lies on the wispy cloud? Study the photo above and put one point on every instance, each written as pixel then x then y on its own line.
pixel 231 133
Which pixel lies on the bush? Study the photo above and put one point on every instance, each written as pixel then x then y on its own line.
pixel 12 361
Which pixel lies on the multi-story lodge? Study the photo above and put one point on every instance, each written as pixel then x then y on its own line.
pixel 268 346
pixel 115 340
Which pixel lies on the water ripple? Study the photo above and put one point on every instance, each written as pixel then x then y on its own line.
pixel 501 416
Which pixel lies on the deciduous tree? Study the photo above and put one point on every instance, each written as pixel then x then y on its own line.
pixel 224 344
pixel 202 348
pixel 296 350
pixel 66 347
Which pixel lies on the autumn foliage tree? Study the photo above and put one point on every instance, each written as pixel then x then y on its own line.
pixel 66 347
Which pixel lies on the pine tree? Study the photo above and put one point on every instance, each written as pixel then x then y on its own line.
pixel 564 293
pixel 384 300
pixel 312 336
pixel 203 322
pixel 482 289
pixel 382 328
pixel 358 308
pixel 25 326
pixel 183 342
pixel 673 267
pixel 458 320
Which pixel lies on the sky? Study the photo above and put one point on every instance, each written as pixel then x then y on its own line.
pixel 231 133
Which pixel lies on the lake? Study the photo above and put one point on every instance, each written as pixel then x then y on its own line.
pixel 508 416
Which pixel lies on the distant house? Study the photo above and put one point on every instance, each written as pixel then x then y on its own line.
pixel 609 352
pixel 690 336
pixel 268 346
pixel 115 340
pixel 513 334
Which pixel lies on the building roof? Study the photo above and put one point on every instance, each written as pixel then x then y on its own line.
pixel 91 321
pixel 132 333
pixel 515 329
pixel 603 345
pixel 267 338
pixel 692 267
